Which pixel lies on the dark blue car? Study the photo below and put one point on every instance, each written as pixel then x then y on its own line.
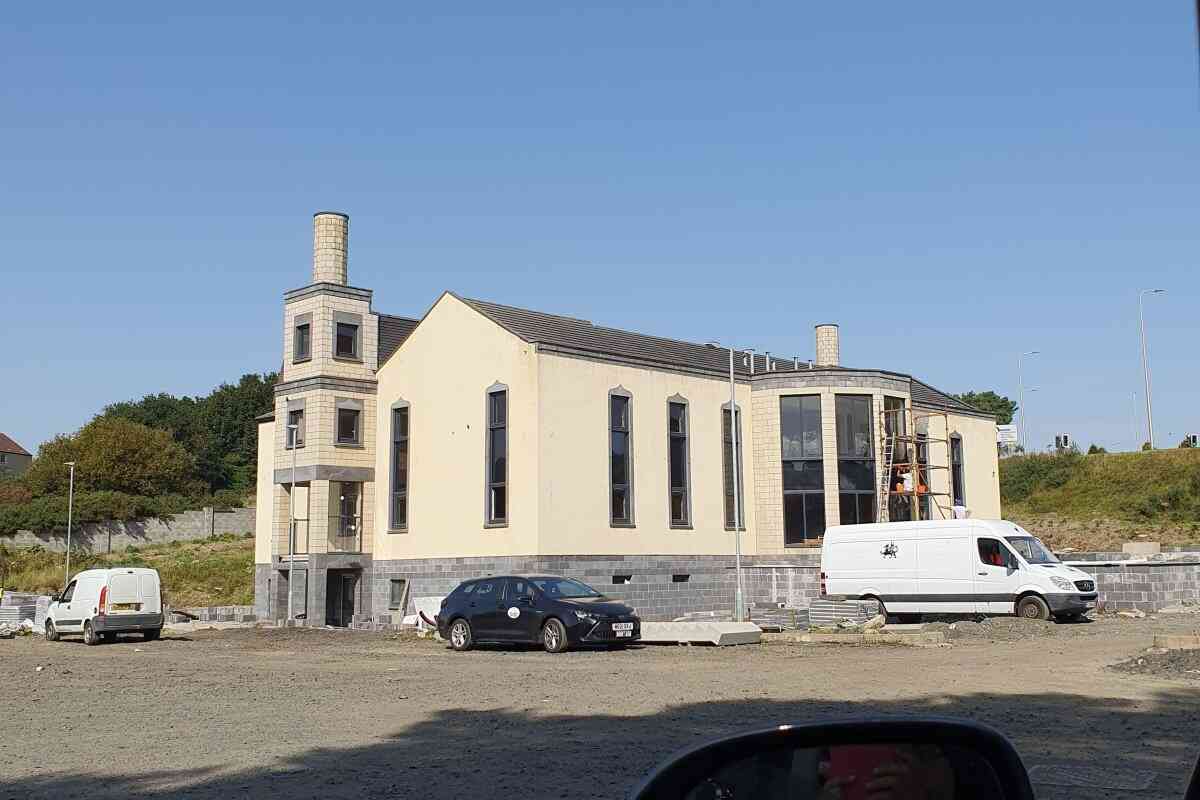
pixel 555 612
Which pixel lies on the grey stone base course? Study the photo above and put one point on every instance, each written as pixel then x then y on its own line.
pixel 1145 587
pixel 652 590
pixel 214 614
pixel 111 537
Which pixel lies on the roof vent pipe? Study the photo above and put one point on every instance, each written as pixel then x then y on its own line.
pixel 828 345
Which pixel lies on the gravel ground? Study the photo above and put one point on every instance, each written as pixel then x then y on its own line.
pixel 304 713
pixel 1170 664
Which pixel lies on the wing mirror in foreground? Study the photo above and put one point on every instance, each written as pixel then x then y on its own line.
pixel 937 759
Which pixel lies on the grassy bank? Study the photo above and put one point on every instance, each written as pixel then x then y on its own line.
pixel 214 572
pixel 1099 501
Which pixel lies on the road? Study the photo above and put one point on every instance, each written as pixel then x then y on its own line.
pixel 306 713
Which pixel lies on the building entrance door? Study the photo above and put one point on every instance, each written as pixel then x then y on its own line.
pixel 341 596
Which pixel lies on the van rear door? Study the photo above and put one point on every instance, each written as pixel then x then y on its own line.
pixel 124 593
pixel 148 591
pixel 945 583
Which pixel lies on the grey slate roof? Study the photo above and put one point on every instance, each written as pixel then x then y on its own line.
pixel 579 336
pixel 392 333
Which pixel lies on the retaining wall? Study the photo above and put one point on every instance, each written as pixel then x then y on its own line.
pixel 108 537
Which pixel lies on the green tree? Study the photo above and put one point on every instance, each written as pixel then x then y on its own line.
pixel 1095 450
pixel 991 403
pixel 114 455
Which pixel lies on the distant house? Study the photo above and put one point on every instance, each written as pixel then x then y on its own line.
pixel 14 459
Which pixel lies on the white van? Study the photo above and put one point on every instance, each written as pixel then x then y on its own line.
pixel 100 603
pixel 959 566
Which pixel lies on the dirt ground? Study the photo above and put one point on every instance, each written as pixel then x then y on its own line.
pixel 334 714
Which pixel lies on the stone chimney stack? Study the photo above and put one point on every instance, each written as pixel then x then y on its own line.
pixel 331 232
pixel 828 345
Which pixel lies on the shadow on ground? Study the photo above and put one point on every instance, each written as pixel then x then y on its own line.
pixel 1077 747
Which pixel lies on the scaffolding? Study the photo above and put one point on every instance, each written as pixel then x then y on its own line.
pixel 907 466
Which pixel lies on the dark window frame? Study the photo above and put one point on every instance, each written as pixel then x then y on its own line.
pixel 958 471
pixel 298 440
pixel 804 496
pixel 730 480
pixel 629 520
pixel 846 455
pixel 401 434
pixel 491 425
pixel 395 603
pixel 338 439
pixel 685 491
pixel 300 354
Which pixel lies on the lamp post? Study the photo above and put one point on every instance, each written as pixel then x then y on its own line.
pixel 70 511
pixel 292 431
pixel 1021 394
pixel 1146 363
pixel 1133 420
pixel 739 606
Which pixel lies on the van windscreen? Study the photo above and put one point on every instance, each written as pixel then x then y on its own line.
pixel 1032 549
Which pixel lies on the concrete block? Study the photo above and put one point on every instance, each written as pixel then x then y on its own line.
pixel 1141 548
pixel 717 633
pixel 1178 642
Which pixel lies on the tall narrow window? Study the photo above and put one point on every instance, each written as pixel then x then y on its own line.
pixel 295 428
pixel 302 351
pixel 680 479
pixel 346 340
pixel 921 484
pixel 620 461
pixel 497 457
pixel 958 485
pixel 348 425
pixel 400 468
pixel 856 459
pixel 728 472
pixel 803 469
pixel 896 426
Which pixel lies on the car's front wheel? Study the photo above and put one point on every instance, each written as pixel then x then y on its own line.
pixel 460 635
pixel 1033 607
pixel 554 636
pixel 51 632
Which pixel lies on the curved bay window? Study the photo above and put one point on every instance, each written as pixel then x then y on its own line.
pixel 803 469
pixel 856 459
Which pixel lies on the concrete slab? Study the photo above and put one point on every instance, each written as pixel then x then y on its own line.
pixel 716 632
pixel 869 637
pixel 1178 642
pixel 1141 548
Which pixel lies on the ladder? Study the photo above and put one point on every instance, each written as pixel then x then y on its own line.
pixel 888 453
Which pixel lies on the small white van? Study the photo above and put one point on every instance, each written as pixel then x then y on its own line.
pixel 100 603
pixel 959 566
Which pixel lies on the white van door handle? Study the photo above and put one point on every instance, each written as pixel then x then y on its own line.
pixel 981 573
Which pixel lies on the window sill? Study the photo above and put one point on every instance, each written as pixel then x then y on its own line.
pixel 675 527
pixel 304 360
pixel 813 545
pixel 297 447
pixel 741 528
pixel 397 530
pixel 349 445
pixel 348 359
pixel 490 525
pixel 622 524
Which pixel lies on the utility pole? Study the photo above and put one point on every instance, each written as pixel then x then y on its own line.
pixel 739 606
pixel 70 510
pixel 1146 363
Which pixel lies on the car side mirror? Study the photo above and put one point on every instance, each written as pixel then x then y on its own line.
pixel 919 757
pixel 56 598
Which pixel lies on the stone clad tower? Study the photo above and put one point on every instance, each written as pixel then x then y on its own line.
pixel 324 485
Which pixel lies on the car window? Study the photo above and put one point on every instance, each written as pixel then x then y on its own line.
pixel 486 590
pixel 68 593
pixel 465 588
pixel 565 588
pixel 992 553
pixel 518 588
pixel 1032 550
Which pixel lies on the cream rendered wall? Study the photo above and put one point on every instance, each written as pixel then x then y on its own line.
pixel 981 474
pixel 444 370
pixel 264 494
pixel 574 460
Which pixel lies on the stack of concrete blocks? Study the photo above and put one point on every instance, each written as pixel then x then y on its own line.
pixel 215 614
pixel 833 612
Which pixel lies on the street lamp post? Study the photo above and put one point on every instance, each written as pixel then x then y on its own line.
pixel 292 432
pixel 1146 363
pixel 1021 395
pixel 70 511
pixel 739 606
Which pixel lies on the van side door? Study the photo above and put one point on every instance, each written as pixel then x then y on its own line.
pixel 65 615
pixel 997 575
pixel 945 584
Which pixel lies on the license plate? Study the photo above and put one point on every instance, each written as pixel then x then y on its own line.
pixel 622 626
pixel 623 633
pixel 125 607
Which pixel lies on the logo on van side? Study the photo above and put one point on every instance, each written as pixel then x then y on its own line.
pixel 889 550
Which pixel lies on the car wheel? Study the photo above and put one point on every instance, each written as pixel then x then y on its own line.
pixel 152 634
pixel 1033 607
pixel 460 635
pixel 882 608
pixel 89 634
pixel 554 636
pixel 51 632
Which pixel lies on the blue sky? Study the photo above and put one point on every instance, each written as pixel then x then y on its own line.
pixel 952 182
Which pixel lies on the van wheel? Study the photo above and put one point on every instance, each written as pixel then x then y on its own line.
pixel 882 608
pixel 1033 607
pixel 89 635
pixel 554 636
pixel 51 632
